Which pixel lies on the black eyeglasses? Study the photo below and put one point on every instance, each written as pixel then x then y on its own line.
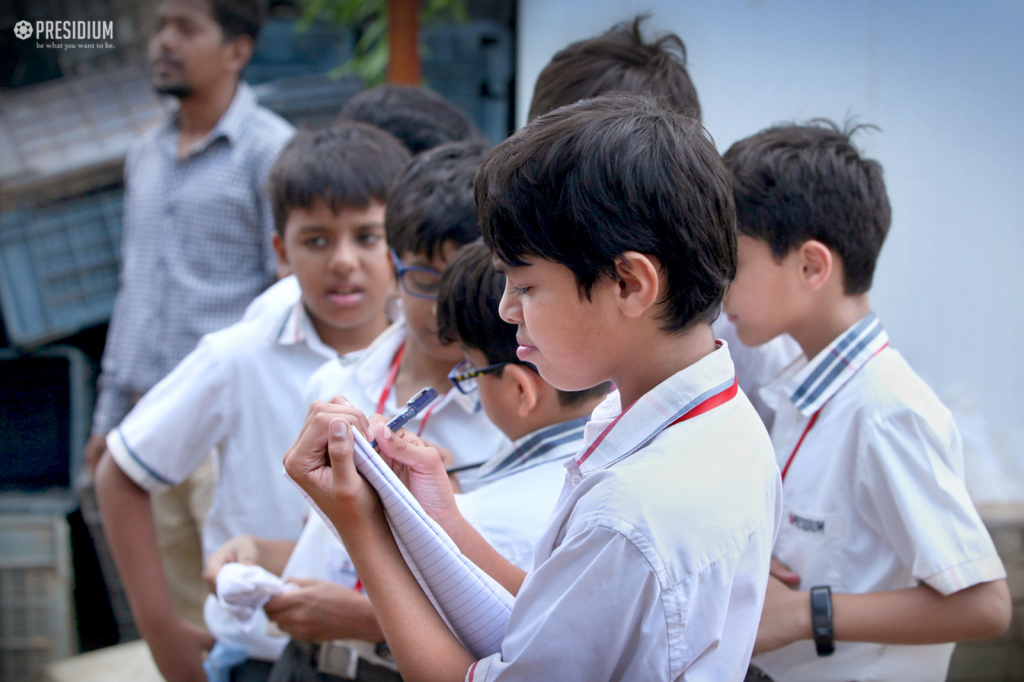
pixel 463 376
pixel 417 281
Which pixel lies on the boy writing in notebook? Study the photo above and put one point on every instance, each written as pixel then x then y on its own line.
pixel 613 221
pixel 241 390
pixel 516 489
pixel 891 558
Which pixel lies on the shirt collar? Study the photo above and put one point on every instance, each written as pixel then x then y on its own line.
pixel 655 410
pixel 230 124
pixel 296 327
pixel 543 445
pixel 809 386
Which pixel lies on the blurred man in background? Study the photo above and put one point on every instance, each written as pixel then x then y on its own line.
pixel 197 246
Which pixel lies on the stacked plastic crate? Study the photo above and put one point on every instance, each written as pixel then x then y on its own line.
pixel 62 150
pixel 35 577
pixel 44 415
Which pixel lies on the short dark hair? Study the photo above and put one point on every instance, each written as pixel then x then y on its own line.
pixel 349 164
pixel 587 182
pixel 420 118
pixel 793 183
pixel 239 17
pixel 431 202
pixel 619 60
pixel 467 313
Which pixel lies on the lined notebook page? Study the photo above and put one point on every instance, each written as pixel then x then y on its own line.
pixel 474 605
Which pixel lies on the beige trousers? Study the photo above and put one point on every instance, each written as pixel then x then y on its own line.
pixel 179 513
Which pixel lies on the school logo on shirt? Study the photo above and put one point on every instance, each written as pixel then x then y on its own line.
pixel 805 524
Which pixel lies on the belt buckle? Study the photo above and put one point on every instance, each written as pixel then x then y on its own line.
pixel 338 659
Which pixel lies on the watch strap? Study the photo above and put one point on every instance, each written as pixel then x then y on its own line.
pixel 821 620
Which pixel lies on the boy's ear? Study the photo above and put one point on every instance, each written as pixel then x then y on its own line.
pixel 639 284
pixel 525 382
pixel 284 268
pixel 817 263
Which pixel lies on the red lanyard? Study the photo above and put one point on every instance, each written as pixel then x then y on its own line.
pixel 390 382
pixel 814 418
pixel 706 405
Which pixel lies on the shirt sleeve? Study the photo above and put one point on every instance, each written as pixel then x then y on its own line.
pixel 173 428
pixel 910 486
pixel 115 401
pixel 595 593
pixel 112 404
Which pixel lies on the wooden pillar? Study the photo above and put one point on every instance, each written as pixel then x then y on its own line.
pixel 403 40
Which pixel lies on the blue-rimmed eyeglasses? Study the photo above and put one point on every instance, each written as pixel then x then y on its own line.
pixel 463 376
pixel 417 280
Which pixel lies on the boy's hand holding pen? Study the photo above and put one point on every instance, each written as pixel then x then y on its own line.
pixel 416 404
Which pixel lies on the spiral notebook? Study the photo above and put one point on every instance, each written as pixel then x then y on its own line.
pixel 474 606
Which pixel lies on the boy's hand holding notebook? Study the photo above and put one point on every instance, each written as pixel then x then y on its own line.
pixel 473 605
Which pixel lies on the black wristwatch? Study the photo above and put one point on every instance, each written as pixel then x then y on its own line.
pixel 821 620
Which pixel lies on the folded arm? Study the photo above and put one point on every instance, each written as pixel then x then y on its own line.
pixel 916 615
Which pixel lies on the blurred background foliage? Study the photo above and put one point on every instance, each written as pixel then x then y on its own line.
pixel 370 19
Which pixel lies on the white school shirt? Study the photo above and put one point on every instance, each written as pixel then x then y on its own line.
pixel 454 421
pixel 874 498
pixel 757 365
pixel 240 391
pixel 510 509
pixel 655 562
pixel 515 492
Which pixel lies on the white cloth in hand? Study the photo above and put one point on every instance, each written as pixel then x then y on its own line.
pixel 243 590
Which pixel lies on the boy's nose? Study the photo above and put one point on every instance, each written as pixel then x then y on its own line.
pixel 343 259
pixel 508 308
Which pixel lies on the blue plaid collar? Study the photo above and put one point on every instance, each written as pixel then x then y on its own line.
pixel 555 442
pixel 817 381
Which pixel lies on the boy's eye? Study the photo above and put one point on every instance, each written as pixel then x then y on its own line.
pixel 517 291
pixel 316 242
pixel 369 239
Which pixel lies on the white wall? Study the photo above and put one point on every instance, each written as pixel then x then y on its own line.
pixel 945 82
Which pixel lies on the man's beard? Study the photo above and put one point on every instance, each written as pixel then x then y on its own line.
pixel 179 89
pixel 176 90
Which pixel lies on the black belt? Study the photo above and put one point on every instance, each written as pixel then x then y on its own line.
pixel 755 674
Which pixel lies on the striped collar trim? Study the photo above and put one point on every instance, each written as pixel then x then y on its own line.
pixel 554 442
pixel 830 369
pixel 637 425
pixel 292 328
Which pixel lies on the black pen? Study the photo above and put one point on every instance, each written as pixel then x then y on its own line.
pixel 411 409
